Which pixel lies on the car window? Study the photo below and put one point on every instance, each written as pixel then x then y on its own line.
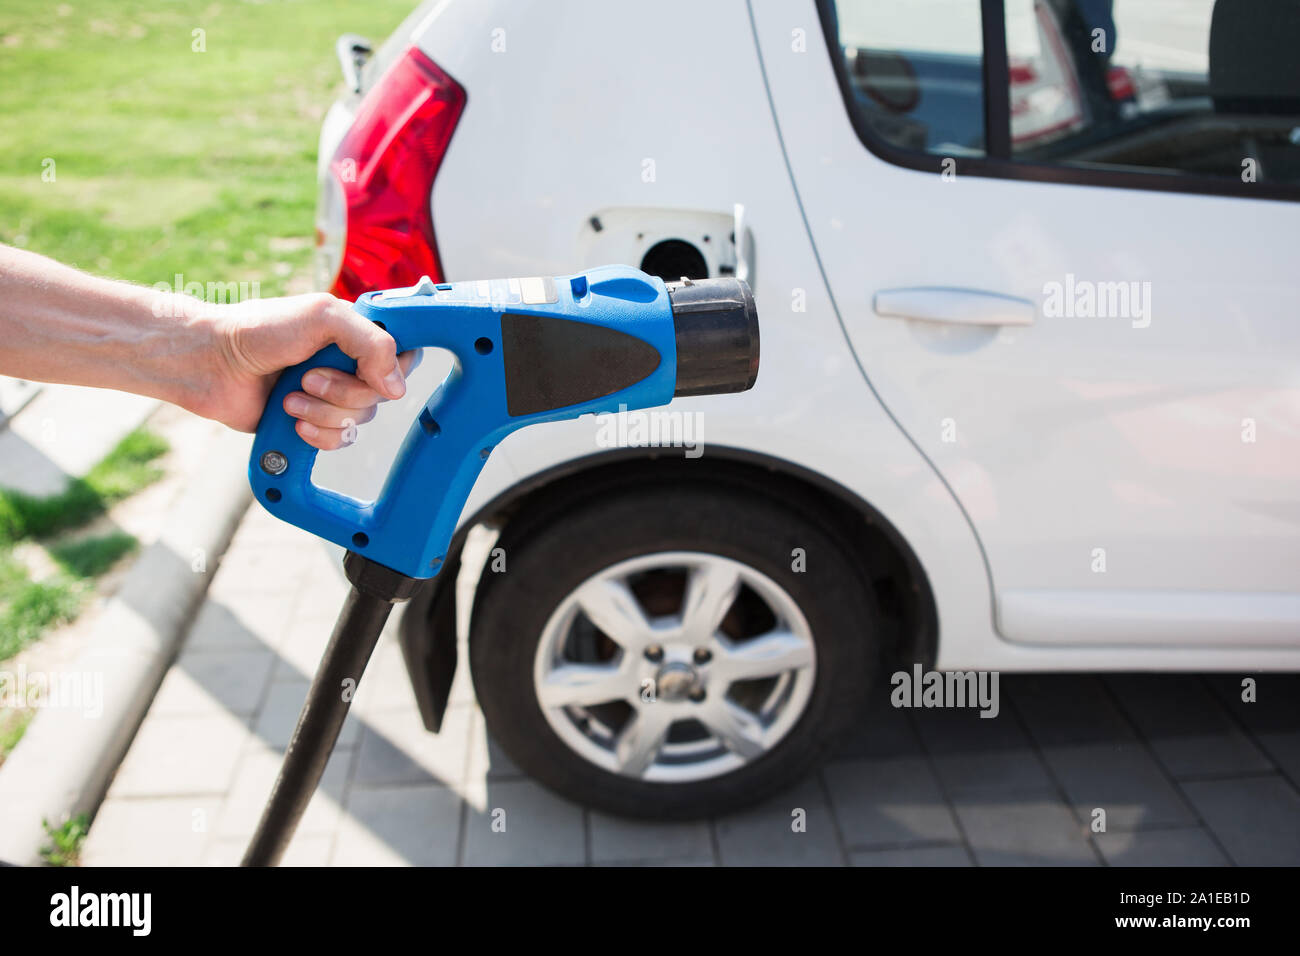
pixel 1202 90
pixel 1179 86
pixel 914 69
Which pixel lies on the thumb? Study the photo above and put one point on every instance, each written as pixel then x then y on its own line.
pixel 372 347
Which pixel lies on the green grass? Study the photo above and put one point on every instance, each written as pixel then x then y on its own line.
pixel 35 607
pixel 165 161
pixel 123 472
pixel 168 160
pixel 29 608
pixel 66 840
pixel 13 724
pixel 91 557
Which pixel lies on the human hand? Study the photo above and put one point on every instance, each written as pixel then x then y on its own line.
pixel 256 339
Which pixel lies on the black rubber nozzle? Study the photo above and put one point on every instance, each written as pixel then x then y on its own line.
pixel 717 336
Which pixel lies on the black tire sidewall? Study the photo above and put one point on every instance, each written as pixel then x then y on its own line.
pixel 514 606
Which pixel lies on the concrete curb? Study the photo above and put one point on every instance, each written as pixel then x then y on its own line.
pixel 68 756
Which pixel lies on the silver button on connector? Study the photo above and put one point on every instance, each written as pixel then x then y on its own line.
pixel 274 463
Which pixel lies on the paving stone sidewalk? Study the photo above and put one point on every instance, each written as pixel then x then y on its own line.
pixel 1187 773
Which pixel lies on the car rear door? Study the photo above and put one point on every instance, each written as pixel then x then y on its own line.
pixel 1061 237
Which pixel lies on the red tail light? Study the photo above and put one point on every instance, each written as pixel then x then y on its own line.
pixel 385 167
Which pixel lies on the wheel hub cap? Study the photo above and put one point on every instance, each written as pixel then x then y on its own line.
pixel 675 666
pixel 676 681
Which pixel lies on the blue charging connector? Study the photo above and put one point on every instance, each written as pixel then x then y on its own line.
pixel 526 351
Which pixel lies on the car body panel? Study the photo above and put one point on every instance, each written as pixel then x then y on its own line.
pixel 558 128
pixel 1106 460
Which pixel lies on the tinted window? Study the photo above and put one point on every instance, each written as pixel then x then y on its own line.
pixel 914 69
pixel 1192 88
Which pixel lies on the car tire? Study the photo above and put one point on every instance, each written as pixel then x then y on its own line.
pixel 797 585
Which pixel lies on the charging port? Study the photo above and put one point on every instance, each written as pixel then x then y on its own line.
pixel 673 259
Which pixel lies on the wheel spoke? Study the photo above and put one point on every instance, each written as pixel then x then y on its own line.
pixel 710 592
pixel 641 738
pixel 737 729
pixel 764 656
pixel 684 651
pixel 583 685
pixel 612 607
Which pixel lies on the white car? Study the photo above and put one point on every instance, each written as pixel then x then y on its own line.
pixel 1029 399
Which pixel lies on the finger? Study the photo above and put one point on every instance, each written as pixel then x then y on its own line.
pixel 326 439
pixel 324 414
pixel 372 347
pixel 339 388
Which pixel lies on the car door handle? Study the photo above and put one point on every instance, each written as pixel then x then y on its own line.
pixel 958 306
